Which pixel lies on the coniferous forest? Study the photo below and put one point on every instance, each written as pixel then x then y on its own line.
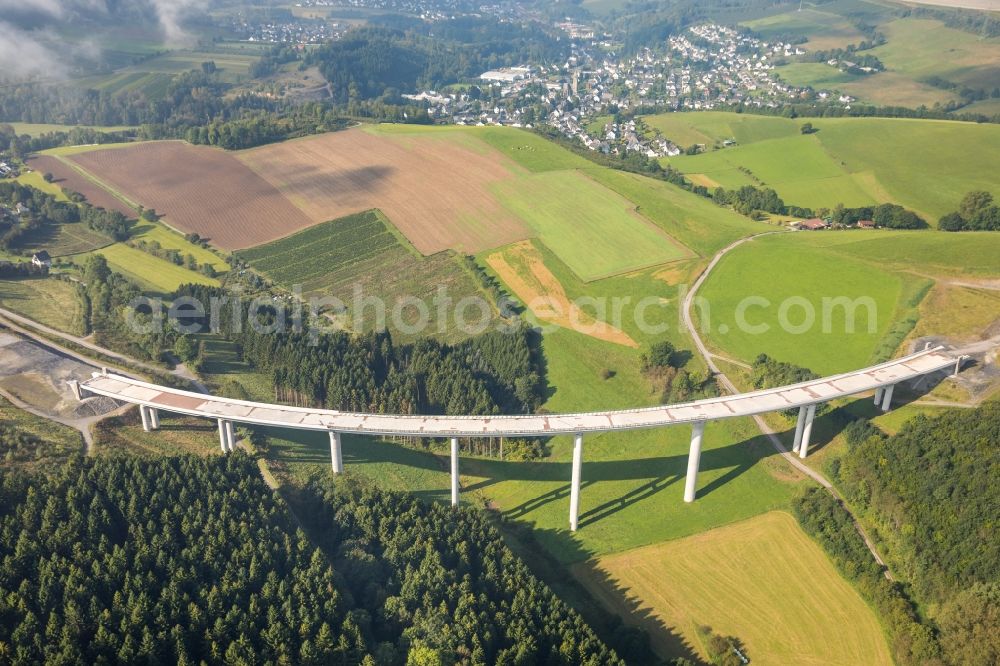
pixel 931 491
pixel 191 560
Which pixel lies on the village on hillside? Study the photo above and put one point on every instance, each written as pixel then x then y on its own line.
pixel 711 66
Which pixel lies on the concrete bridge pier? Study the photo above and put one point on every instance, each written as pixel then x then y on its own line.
pixel 336 456
pixel 154 418
pixel 226 438
pixel 887 397
pixel 879 392
pixel 807 427
pixel 694 461
pixel 574 489
pixel 146 420
pixel 454 471
pixel 799 426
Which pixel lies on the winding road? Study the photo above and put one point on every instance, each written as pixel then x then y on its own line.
pixel 762 425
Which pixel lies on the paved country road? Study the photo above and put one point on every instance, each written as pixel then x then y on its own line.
pixel 762 425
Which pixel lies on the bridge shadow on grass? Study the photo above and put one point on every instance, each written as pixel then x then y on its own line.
pixel 616 615
pixel 656 473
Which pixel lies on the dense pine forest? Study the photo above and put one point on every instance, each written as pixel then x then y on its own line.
pixel 493 373
pixel 194 560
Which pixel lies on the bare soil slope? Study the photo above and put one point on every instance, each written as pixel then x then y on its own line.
pixel 439 198
pixel 65 176
pixel 199 189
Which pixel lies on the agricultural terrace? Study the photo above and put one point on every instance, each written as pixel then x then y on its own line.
pixel 364 250
pixel 171 240
pixel 854 161
pixel 756 580
pixel 38 129
pixel 199 189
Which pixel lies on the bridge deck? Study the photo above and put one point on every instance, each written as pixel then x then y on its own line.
pixel 744 404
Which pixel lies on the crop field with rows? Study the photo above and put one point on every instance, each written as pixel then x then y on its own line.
pixel 363 255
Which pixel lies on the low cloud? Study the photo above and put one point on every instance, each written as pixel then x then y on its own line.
pixel 30 46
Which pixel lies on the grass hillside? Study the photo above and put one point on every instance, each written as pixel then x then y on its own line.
pixel 893 268
pixel 855 161
pixel 745 580
pixel 916 49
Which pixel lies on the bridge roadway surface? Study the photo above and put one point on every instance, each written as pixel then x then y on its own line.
pixel 803 394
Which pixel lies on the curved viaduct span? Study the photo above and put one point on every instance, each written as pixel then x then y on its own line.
pixel 881 378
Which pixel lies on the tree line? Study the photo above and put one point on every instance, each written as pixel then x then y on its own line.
pixel 496 372
pixel 930 491
pixel 976 212
pixel 43 210
pixel 192 560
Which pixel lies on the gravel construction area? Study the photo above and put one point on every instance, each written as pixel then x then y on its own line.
pixel 38 376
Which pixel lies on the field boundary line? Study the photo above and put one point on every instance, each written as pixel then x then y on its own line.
pixel 97 181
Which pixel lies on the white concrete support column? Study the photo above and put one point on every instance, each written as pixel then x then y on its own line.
pixel 75 387
pixel 807 429
pixel 958 364
pixel 887 398
pixel 154 418
pixel 878 395
pixel 454 471
pixel 799 425
pixel 223 439
pixel 336 457
pixel 144 413
pixel 574 488
pixel 230 436
pixel 694 461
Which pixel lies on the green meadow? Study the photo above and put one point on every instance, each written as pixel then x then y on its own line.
pixel 151 273
pixel 596 232
pixel 37 129
pixel 171 240
pixel 892 268
pixel 854 161
pixel 787 276
pixel 824 30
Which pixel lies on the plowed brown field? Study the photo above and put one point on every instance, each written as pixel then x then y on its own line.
pixel 199 189
pixel 65 176
pixel 436 192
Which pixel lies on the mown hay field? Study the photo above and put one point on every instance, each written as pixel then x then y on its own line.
pixel 199 189
pixel 762 580
pixel 789 280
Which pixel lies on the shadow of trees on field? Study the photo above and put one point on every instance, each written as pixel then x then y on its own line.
pixel 371 178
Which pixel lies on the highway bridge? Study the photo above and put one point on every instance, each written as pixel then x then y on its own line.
pixel 804 396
